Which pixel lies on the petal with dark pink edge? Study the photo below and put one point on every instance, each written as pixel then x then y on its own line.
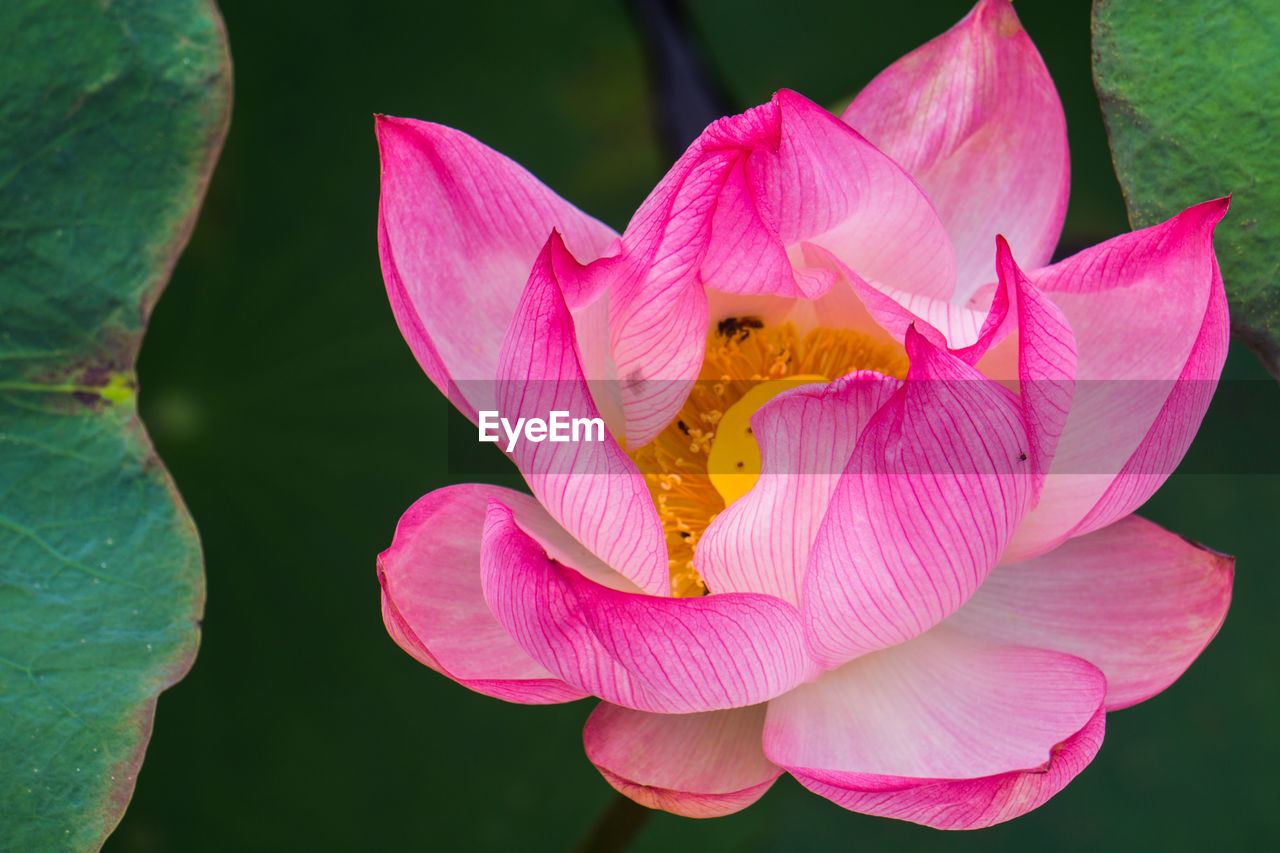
pixel 944 730
pixel 804 176
pixel 761 541
pixel 935 487
pixel 1151 332
pixel 658 310
pixel 459 226
pixel 590 486
pixel 1175 427
pixel 433 603
pixel 974 117
pixel 669 655
pixel 1046 357
pixel 1136 601
pixel 696 765
pixel 732 215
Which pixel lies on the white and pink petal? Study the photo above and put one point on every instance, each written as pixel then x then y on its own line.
pixel 433 603
pixel 666 655
pixel 943 730
pixel 937 483
pixel 696 765
pixel 1150 324
pixel 761 541
pixel 1135 600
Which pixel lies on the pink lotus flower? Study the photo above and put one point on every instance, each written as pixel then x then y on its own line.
pixel 924 585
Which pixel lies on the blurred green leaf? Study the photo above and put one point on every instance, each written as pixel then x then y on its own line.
pixel 1189 92
pixel 111 116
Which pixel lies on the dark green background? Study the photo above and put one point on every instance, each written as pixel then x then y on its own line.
pixel 299 427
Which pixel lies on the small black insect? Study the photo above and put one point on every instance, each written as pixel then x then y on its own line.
pixel 684 428
pixel 739 326
pixel 1022 457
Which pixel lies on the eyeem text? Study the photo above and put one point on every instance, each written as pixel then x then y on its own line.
pixel 558 427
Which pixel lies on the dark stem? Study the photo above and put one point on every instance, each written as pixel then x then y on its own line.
pixel 687 94
pixel 1266 348
pixel 617 827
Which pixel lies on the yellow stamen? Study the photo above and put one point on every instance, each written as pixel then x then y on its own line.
pixel 746 365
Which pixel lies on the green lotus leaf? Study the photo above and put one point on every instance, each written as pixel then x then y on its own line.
pixel 1189 92
pixel 112 113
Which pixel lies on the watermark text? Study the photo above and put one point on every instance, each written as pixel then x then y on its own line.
pixel 559 426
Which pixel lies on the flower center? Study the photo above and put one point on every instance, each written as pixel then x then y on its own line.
pixel 707 457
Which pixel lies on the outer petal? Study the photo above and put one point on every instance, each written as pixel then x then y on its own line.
pixel 696 765
pixel 669 655
pixel 433 603
pixel 975 118
pixel 733 214
pixel 459 226
pixel 761 542
pixel 943 730
pixel 1135 600
pixel 1175 427
pixel 591 487
pixel 1151 329
pixel 934 489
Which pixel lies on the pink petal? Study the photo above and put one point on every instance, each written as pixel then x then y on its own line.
pixel 1150 322
pixel 1175 427
pixel 1136 601
pixel 936 485
pixel 811 179
pixel 1046 357
pixel 697 765
pixel 591 487
pixel 733 214
pixel 459 226
pixel 433 604
pixel 658 313
pixel 975 118
pixel 943 730
pixel 760 542
pixel 669 655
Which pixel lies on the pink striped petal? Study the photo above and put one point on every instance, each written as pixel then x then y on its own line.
pixel 459 226
pixel 936 485
pixel 1045 357
pixel 943 730
pixel 658 311
pixel 761 542
pixel 1136 601
pixel 433 604
pixel 591 487
pixel 669 655
pixel 975 118
pixel 697 765
pixel 1150 322
pixel 733 214
pixel 1177 424
pixel 808 178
